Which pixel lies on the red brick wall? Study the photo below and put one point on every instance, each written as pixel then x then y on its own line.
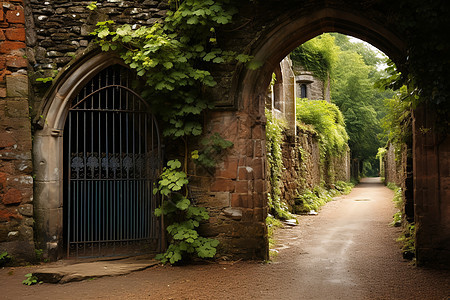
pixel 16 182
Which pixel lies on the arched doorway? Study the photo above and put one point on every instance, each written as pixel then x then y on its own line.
pixel 96 158
pixel 112 158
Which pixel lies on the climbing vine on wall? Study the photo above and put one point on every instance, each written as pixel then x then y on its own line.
pixel 172 59
pixel 274 139
pixel 328 121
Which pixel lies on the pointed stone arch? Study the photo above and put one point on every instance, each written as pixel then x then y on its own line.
pixel 48 148
pixel 294 28
pixel 243 176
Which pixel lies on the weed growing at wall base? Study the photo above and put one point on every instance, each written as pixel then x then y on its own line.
pixel 184 218
pixel 4 258
pixel 312 200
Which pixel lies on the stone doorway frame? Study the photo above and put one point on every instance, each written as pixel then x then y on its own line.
pixel 48 149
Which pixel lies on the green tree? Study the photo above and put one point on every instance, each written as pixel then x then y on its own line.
pixel 353 69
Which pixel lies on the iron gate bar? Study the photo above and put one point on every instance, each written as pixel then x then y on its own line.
pixel 110 201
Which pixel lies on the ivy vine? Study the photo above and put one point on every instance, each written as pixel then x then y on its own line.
pixel 184 217
pixel 274 140
pixel 172 59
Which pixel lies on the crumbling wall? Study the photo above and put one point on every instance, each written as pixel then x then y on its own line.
pixel 303 168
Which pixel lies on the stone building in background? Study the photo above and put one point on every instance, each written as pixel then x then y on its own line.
pixel 309 86
pixel 302 167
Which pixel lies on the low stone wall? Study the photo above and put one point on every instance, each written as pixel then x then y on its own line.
pixel 16 182
pixel 302 168
pixel 301 165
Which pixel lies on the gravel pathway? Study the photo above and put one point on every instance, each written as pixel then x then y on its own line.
pixel 348 251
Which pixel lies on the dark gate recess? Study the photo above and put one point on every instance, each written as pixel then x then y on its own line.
pixel 113 156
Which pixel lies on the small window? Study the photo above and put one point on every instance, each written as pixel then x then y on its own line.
pixel 303 91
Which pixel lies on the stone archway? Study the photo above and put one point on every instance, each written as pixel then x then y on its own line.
pixel 48 150
pixel 285 36
pixel 242 177
pixel 275 32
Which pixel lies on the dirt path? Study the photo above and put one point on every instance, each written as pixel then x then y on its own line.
pixel 348 251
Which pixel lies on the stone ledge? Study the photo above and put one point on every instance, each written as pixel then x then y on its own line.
pixel 70 271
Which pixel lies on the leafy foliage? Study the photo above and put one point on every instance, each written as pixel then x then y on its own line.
pixel 425 71
pixel 274 139
pixel 30 279
pixel 184 218
pixel 272 224
pixel 172 59
pixel 4 258
pixel 317 55
pixel 397 123
pixel 313 200
pixel 407 240
pixel 353 69
pixel 327 121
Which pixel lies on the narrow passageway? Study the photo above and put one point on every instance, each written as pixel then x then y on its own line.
pixel 348 251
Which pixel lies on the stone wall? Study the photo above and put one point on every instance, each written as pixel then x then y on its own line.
pixel 16 182
pixel 395 165
pixel 302 168
pixel 59 31
pixel 431 164
pixel 235 195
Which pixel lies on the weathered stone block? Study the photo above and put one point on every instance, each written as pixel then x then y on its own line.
pixel 233 213
pixel 259 199
pixel 26 210
pixel 258 148
pixel 17 86
pixel 228 169
pixel 245 173
pixel 8 214
pixel 223 185
pixel 219 199
pixel 16 16
pixel 12 196
pixel 258 166
pixel 242 186
pixel 258 133
pixel 3 179
pixel 15 34
pixel 6 140
pixel 16 62
pixel 8 46
pixel 260 186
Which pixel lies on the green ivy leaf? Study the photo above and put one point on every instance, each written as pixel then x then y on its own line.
pixel 209 56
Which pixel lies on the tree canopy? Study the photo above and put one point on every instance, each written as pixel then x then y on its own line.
pixel 353 68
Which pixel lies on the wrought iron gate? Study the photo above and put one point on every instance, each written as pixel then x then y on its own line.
pixel 113 156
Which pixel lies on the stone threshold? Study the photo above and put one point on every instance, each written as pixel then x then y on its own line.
pixel 69 270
